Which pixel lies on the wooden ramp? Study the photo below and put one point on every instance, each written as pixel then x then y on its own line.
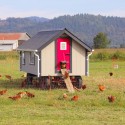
pixel 67 80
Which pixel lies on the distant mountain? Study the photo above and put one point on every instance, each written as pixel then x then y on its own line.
pixel 85 26
pixel 37 19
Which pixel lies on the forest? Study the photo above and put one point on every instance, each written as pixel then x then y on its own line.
pixel 85 26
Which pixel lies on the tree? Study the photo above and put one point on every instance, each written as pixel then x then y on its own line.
pixel 101 41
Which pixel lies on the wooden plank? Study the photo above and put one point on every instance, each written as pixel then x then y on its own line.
pixel 67 80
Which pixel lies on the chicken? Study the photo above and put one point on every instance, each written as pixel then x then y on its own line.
pixel 66 75
pixel 17 97
pixel 3 92
pixel 111 98
pixel 8 77
pixel 101 87
pixel 0 76
pixel 75 98
pixel 65 96
pixel 23 84
pixel 21 94
pixel 83 87
pixel 30 94
pixel 111 74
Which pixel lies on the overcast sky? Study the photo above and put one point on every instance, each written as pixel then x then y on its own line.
pixel 55 8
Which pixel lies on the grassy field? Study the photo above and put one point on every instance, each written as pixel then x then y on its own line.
pixel 48 107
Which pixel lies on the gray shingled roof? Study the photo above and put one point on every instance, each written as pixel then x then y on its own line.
pixel 43 38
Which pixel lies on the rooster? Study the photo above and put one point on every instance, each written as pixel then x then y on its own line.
pixel 101 87
pixel 17 97
pixel 30 94
pixel 111 98
pixel 75 98
pixel 3 92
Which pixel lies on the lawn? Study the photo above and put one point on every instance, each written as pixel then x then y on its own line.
pixel 49 108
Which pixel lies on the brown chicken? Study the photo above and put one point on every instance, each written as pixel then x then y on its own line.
pixel 17 97
pixel 21 94
pixel 30 94
pixel 75 98
pixel 111 74
pixel 111 98
pixel 66 74
pixel 65 96
pixel 83 87
pixel 8 77
pixel 3 92
pixel 101 87
pixel 23 84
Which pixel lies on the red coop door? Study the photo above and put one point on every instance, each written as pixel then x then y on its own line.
pixel 63 52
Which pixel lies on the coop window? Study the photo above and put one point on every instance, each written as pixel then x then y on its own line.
pixel 63 46
pixel 32 58
pixel 23 58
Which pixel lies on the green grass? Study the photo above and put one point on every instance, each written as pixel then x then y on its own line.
pixel 48 107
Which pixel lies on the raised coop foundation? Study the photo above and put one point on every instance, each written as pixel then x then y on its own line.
pixel 50 82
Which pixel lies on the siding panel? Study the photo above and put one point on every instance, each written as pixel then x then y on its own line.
pixel 48 60
pixel 28 67
pixel 78 59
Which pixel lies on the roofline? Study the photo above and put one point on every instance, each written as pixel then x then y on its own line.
pixel 79 40
pixel 27 50
pixel 71 35
pixel 28 35
pixel 52 39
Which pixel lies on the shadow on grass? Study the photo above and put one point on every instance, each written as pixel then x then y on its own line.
pixel 8 84
pixel 18 84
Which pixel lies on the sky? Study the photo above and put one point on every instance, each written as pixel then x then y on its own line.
pixel 54 8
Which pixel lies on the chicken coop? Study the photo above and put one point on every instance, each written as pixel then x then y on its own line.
pixel 52 56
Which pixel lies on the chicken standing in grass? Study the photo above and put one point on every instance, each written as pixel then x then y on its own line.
pixel 111 98
pixel 65 96
pixel 30 94
pixel 83 87
pixel 17 97
pixel 101 87
pixel 8 77
pixel 21 94
pixel 75 98
pixel 3 92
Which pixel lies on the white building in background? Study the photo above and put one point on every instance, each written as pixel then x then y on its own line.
pixel 10 41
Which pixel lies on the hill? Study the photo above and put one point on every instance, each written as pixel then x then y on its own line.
pixel 85 26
